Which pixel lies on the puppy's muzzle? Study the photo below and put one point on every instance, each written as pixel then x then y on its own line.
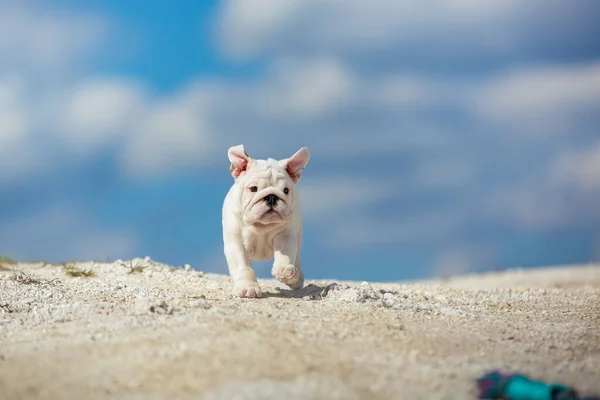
pixel 271 200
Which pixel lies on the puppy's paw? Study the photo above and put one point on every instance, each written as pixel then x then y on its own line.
pixel 246 288
pixel 288 275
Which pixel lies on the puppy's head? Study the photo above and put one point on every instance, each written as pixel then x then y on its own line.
pixel 267 186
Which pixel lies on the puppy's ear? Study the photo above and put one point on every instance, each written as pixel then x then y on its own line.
pixel 296 163
pixel 239 160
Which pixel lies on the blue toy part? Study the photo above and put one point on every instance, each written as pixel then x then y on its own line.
pixel 496 385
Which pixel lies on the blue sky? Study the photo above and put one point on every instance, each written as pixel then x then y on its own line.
pixel 446 136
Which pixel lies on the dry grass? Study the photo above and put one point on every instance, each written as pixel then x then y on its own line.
pixel 72 270
pixel 6 308
pixel 25 278
pixel 29 279
pixel 134 269
pixel 6 262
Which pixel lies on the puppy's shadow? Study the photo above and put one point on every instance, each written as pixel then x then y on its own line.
pixel 310 291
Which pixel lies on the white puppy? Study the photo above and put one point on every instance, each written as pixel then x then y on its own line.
pixel 262 219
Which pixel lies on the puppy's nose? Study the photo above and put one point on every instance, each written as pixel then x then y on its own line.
pixel 271 200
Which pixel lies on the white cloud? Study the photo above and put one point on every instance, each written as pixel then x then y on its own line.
pixel 437 174
pixel 64 233
pixel 567 196
pixel 295 104
pixel 461 260
pixel 407 91
pixel 170 135
pixel 328 196
pixel 41 50
pixel 251 27
pixel 17 148
pixel 97 112
pixel 399 227
pixel 564 195
pixel 581 168
pixel 299 89
pixel 354 212
pixel 526 206
pixel 13 112
pixel 261 18
pixel 542 97
pixel 41 40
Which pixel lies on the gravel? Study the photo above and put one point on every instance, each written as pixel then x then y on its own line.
pixel 140 329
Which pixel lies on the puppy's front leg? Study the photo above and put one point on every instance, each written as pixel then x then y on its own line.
pixel 242 275
pixel 285 246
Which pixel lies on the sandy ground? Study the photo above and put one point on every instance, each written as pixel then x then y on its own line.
pixel 143 330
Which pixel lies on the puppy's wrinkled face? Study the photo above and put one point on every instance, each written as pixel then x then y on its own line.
pixel 267 193
pixel 267 186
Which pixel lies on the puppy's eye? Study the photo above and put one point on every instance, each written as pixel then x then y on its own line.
pixel 286 190
pixel 253 188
